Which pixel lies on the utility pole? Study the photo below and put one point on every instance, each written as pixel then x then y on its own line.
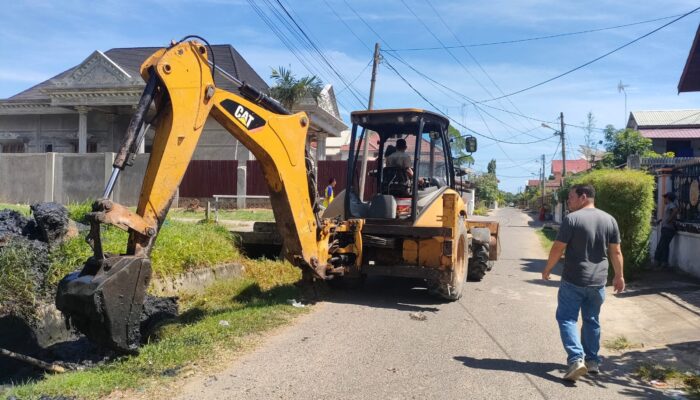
pixel 543 180
pixel 365 141
pixel 563 149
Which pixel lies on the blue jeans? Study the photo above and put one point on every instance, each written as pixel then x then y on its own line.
pixel 587 300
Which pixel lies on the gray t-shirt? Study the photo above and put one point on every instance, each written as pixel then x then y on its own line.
pixel 399 159
pixel 666 221
pixel 587 234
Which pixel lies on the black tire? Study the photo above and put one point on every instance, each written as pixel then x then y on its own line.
pixel 479 264
pixel 451 286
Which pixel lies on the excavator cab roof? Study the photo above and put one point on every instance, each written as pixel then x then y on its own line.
pixel 398 121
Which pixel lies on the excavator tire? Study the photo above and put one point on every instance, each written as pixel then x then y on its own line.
pixel 451 286
pixel 479 263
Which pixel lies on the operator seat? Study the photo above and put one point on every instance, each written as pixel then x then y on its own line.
pixel 395 181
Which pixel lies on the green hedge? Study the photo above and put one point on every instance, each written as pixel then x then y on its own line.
pixel 627 195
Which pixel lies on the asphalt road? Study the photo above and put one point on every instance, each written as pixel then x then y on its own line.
pixel 500 341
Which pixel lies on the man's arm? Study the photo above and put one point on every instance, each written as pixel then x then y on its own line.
pixel 554 256
pixel 615 255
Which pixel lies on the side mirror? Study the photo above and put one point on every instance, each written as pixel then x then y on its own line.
pixel 470 144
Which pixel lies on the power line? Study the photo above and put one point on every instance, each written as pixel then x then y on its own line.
pixel 320 53
pixel 463 96
pixel 478 64
pixel 461 45
pixel 592 61
pixel 450 118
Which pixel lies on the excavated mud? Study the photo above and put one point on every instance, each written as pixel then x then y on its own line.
pixel 49 226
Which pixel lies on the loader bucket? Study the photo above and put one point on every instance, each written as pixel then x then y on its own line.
pixel 104 301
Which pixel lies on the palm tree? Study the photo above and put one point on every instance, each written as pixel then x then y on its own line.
pixel 288 90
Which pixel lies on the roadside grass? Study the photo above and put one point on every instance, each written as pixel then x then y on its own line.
pixel 180 247
pixel 673 377
pixel 619 343
pixel 547 237
pixel 252 214
pixel 213 327
pixel 21 208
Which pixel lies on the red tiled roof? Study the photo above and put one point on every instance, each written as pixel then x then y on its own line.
pixel 533 182
pixel 686 133
pixel 572 166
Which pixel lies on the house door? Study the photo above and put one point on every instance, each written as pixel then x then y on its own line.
pixel 681 148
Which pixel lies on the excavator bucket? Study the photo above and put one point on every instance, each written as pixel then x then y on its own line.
pixel 104 301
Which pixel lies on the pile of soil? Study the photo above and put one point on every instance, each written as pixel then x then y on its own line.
pixel 48 227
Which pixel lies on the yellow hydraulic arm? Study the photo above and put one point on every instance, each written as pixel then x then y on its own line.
pixel 104 300
pixel 188 97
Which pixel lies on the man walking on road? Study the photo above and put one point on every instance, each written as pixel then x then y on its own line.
pixel 589 236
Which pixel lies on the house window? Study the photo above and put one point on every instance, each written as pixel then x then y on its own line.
pixel 92 147
pixel 48 148
pixel 13 147
pixel 681 148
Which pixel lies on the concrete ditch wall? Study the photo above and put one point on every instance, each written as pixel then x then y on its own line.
pixel 66 178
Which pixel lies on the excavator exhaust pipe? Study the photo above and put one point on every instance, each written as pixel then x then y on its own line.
pixel 104 301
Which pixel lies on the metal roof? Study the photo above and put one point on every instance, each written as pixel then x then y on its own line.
pixel 660 118
pixel 130 59
pixel 690 78
pixel 687 133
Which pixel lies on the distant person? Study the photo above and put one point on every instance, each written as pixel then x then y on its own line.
pixel 589 236
pixel 668 230
pixel 400 158
pixel 328 194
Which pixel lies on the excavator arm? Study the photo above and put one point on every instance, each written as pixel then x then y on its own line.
pixel 104 300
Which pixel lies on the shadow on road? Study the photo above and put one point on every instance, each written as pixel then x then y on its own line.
pixel 402 294
pixel 619 371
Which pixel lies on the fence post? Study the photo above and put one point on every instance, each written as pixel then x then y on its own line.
pixel 242 156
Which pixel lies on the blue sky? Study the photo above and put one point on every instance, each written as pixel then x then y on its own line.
pixel 43 38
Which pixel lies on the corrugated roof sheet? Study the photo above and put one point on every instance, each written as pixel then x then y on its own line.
pixel 131 58
pixel 665 118
pixel 686 133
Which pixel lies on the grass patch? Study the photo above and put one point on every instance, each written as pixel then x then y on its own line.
pixel 180 247
pixel 249 306
pixel 253 214
pixel 547 237
pixel 675 378
pixel 20 208
pixel 20 283
pixel 619 343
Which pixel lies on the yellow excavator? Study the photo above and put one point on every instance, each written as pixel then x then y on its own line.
pixel 414 226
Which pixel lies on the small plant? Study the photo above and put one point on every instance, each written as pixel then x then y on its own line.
pixel 670 376
pixel 619 343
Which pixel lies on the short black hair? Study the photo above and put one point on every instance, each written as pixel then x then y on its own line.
pixel 586 189
pixel 330 181
pixel 401 144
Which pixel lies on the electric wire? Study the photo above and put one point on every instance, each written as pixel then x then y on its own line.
pixel 593 60
pixel 461 45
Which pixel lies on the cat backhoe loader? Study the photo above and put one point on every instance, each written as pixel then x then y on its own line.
pixel 410 227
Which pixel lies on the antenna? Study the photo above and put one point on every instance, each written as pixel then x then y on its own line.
pixel 621 88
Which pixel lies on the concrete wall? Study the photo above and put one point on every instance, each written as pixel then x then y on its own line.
pixel 78 177
pixel 66 178
pixel 23 177
pixel 683 250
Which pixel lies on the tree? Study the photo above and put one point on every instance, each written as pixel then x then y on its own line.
pixel 625 142
pixel 491 168
pixel 487 188
pixel 459 145
pixel 288 90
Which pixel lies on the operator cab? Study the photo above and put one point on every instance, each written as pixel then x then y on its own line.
pixel 412 163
